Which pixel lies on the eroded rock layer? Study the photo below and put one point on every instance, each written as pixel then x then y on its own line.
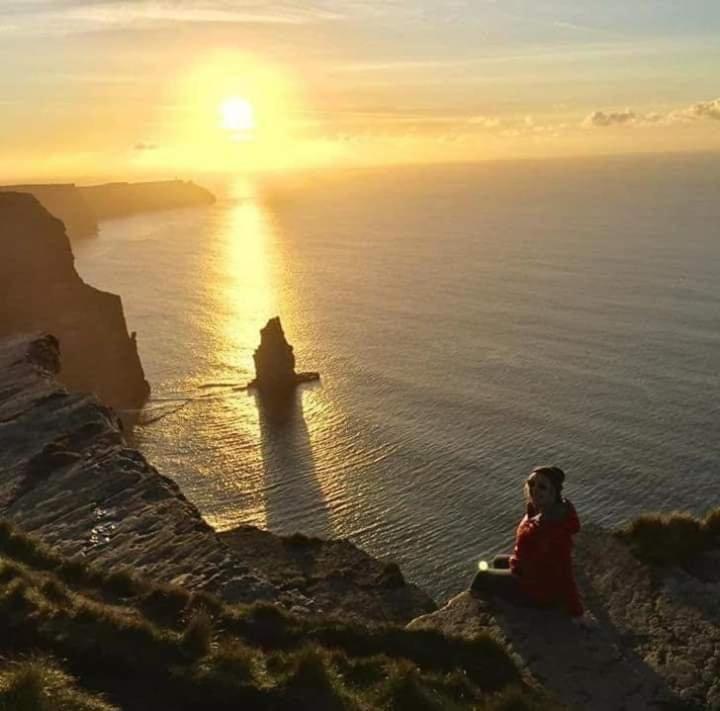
pixel 68 476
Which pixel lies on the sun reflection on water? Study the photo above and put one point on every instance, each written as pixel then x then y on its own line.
pixel 245 297
pixel 249 294
pixel 276 483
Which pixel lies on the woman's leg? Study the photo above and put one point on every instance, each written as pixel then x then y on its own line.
pixel 499 583
pixel 501 562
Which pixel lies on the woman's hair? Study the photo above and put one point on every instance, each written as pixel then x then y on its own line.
pixel 555 476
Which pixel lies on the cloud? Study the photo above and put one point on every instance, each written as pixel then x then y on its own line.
pixel 71 16
pixel 614 118
pixel 696 112
pixel 485 121
pixel 142 146
pixel 700 110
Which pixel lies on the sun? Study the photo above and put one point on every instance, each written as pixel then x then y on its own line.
pixel 237 115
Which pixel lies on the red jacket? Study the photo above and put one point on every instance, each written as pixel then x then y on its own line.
pixel 542 560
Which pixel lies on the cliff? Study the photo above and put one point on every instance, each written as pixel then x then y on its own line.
pixel 64 202
pixel 80 208
pixel 654 644
pixel 68 477
pixel 77 638
pixel 118 199
pixel 40 290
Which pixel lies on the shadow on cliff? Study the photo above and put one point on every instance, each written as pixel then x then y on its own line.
pixel 594 670
pixel 294 500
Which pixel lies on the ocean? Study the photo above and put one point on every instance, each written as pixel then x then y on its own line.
pixel 469 323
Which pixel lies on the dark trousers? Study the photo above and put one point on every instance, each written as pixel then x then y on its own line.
pixel 500 581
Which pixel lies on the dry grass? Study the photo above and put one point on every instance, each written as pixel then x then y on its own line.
pixel 157 646
pixel 671 539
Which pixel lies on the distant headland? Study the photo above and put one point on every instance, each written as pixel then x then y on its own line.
pixel 82 207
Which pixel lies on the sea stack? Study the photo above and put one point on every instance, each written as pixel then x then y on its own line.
pixel 275 374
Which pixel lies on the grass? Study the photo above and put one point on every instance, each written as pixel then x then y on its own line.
pixel 100 641
pixel 671 539
pixel 39 684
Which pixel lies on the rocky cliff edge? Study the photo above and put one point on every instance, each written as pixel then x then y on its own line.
pixel 40 290
pixel 68 477
pixel 655 643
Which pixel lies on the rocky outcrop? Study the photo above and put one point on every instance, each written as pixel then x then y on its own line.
pixel 68 477
pixel 66 203
pixel 655 642
pixel 40 290
pixel 275 374
pixel 336 575
pixel 118 199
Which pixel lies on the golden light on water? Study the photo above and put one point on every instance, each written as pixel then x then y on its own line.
pixel 249 291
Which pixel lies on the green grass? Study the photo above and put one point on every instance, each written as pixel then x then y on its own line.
pixel 41 685
pixel 671 539
pixel 74 633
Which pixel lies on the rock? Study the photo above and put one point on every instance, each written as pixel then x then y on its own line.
pixel 705 566
pixel 275 374
pixel 41 291
pixel 248 588
pixel 65 202
pixel 337 576
pixel 653 644
pixel 68 477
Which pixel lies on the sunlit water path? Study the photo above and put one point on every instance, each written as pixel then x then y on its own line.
pixel 468 323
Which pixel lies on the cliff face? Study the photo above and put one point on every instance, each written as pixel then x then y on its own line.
pixel 80 208
pixel 117 199
pixel 66 203
pixel 40 290
pixel 68 477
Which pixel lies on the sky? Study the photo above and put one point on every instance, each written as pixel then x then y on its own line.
pixel 137 87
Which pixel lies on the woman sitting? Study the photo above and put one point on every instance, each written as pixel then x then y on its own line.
pixel 539 572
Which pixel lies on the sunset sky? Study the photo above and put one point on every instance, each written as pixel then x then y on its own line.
pixel 130 87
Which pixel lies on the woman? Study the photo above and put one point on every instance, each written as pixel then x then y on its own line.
pixel 539 572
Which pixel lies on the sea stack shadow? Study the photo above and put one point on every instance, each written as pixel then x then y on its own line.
pixel 294 499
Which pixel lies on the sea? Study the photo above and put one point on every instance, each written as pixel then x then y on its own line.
pixel 469 322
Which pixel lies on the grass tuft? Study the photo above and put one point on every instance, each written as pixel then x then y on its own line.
pixel 313 684
pixel 405 691
pixel 41 685
pixel 236 659
pixel 670 539
pixel 197 637
pixel 122 582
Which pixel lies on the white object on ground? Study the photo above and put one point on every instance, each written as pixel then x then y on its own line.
pixel 482 565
